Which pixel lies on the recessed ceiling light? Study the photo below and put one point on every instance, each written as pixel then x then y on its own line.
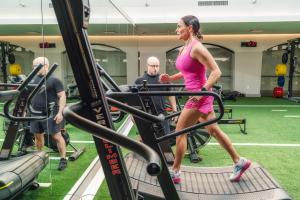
pixel 22 5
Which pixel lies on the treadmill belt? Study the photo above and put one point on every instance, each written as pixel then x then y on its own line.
pixel 207 182
pixel 17 174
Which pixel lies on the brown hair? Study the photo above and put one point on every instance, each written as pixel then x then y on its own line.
pixel 194 22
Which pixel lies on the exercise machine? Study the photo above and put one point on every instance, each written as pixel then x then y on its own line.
pixel 92 114
pixel 294 64
pixel 241 122
pixel 18 174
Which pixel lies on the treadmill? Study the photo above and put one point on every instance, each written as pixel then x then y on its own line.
pixel 18 174
pixel 135 176
pixel 197 182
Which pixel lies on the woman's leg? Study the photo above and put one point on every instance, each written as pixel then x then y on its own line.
pixel 221 137
pixel 241 164
pixel 188 117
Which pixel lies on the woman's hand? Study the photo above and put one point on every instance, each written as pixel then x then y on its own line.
pixel 164 78
pixel 195 98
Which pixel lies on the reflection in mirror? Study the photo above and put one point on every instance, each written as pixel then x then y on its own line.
pixel 15 62
pixel 223 57
pixel 269 80
pixel 112 59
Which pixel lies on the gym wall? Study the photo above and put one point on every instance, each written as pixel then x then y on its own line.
pixel 247 62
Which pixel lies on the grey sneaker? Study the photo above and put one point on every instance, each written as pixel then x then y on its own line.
pixel 175 177
pixel 62 164
pixel 239 169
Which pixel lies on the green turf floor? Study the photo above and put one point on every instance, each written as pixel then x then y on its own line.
pixel 266 123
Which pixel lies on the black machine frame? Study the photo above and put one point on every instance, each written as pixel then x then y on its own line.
pixel 292 44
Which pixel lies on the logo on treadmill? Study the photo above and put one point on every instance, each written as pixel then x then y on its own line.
pixel 99 116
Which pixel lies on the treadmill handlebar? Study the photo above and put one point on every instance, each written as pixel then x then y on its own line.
pixel 18 118
pixel 102 132
pixel 108 78
pixel 168 85
pixel 112 96
pixel 15 85
pixel 184 93
pixel 12 94
pixel 34 72
pixel 8 95
pixel 145 116
pixel 134 111
pixel 21 88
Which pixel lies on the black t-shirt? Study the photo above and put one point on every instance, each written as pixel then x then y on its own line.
pixel 159 101
pixel 53 86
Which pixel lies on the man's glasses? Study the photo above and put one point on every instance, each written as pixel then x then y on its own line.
pixel 153 66
pixel 34 66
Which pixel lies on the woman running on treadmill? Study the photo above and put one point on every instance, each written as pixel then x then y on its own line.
pixel 192 62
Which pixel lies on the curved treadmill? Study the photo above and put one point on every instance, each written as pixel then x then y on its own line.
pixel 18 174
pixel 207 183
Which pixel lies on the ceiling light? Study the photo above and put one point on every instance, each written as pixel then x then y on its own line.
pixel 22 5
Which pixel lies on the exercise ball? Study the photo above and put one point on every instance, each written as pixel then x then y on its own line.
pixel 15 69
pixel 278 92
pixel 280 70
pixel 280 81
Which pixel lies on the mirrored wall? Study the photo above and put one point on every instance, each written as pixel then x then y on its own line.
pixel 269 80
pixel 16 62
pixel 112 59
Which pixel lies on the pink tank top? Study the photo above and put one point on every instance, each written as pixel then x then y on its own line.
pixel 194 72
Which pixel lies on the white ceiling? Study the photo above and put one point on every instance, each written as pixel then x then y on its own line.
pixel 241 15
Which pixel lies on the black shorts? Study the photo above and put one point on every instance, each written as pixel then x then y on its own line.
pixel 48 126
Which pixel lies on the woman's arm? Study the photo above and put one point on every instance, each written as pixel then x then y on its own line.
pixel 166 78
pixel 176 77
pixel 200 53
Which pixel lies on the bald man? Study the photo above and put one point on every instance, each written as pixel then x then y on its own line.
pixel 152 77
pixel 53 92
